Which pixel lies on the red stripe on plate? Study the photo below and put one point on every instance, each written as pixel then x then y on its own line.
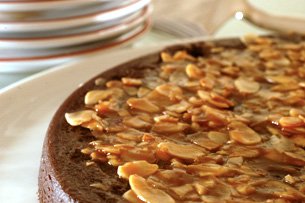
pixel 81 52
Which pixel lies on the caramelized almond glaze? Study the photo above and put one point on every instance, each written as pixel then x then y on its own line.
pixel 228 126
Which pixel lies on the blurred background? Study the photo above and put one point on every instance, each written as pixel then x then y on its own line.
pixel 37 35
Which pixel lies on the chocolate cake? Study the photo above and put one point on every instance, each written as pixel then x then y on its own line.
pixel 211 121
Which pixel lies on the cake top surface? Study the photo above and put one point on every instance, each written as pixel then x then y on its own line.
pixel 228 125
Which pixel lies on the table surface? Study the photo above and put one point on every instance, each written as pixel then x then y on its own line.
pixel 201 11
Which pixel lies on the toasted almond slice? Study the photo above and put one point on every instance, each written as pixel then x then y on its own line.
pixel 243 134
pixel 237 151
pixel 180 107
pixel 136 122
pixel 131 197
pixel 246 86
pixel 187 152
pixel 194 71
pixel 169 127
pixel 173 92
pixel 103 107
pixel 245 189
pixel 182 190
pixel 291 122
pixel 281 190
pixel 141 168
pixel 296 112
pixel 295 159
pixel 130 90
pixel 218 137
pixel 209 169
pixel 206 143
pixel 298 139
pixel 165 118
pixel 100 81
pixel 80 117
pixel 108 149
pixel 279 157
pixel 280 79
pixel 183 55
pixel 94 125
pixel 217 115
pixel 114 83
pixel 92 97
pixel 143 105
pixel 142 91
pixel 147 193
pixel 231 70
pixel 131 134
pixel 238 160
pixel 166 57
pixel 286 87
pixel 131 81
pixel 204 95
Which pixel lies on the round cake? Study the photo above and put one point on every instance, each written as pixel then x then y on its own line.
pixel 210 121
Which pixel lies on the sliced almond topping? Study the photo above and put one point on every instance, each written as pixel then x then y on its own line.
pixel 130 90
pixel 296 159
pixel 171 91
pixel 245 189
pixel 204 95
pixel 216 115
pixel 131 81
pixel 131 196
pixel 142 91
pixel 109 149
pixel 183 55
pixel 183 151
pixel 209 170
pixel 203 186
pixel 207 82
pixel 181 191
pixel 169 127
pixel 100 81
pixel 147 193
pixel 281 190
pixel 143 105
pixel 206 143
pixel 280 79
pixel 136 122
pixel 131 134
pixel 219 128
pixel 141 168
pixel 103 107
pixel 243 134
pixel 165 118
pixel 298 139
pixel 295 112
pixel 218 137
pixel 180 107
pixel 166 57
pixel 246 86
pixel 93 96
pixel 194 71
pixel 80 117
pixel 291 122
pixel 114 83
pixel 237 151
pixel 235 161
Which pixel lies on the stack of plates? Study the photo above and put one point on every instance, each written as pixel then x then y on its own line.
pixel 39 34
